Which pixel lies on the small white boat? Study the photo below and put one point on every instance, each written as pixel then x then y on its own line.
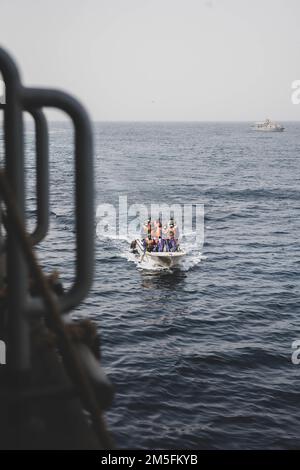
pixel 268 126
pixel 166 259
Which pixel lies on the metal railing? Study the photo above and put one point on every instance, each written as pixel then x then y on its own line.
pixel 20 99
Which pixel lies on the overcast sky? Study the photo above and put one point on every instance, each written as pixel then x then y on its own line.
pixel 161 59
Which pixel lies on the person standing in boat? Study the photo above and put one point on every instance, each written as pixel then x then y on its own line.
pixel 146 234
pixel 165 238
pixel 151 242
pixel 154 229
pixel 176 233
pixel 157 235
pixel 173 235
pixel 147 228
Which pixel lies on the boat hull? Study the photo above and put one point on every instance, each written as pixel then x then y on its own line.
pixel 281 129
pixel 164 259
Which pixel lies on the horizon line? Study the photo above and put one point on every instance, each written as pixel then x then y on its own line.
pixel 171 121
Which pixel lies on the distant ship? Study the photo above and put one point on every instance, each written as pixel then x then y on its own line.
pixel 268 126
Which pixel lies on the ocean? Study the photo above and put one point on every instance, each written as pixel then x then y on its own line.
pixel 200 357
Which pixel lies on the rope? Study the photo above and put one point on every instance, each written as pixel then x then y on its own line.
pixel 54 320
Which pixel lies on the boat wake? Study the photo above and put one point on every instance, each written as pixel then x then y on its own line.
pixel 121 248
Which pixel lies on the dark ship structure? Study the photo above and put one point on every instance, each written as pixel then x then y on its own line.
pixel 53 390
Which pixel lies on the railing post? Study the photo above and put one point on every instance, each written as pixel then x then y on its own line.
pixel 42 174
pixel 18 346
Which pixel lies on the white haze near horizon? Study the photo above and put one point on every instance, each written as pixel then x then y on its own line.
pixel 156 60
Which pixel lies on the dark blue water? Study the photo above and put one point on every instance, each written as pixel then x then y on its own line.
pixel 200 357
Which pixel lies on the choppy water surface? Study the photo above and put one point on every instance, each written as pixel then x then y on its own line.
pixel 200 357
